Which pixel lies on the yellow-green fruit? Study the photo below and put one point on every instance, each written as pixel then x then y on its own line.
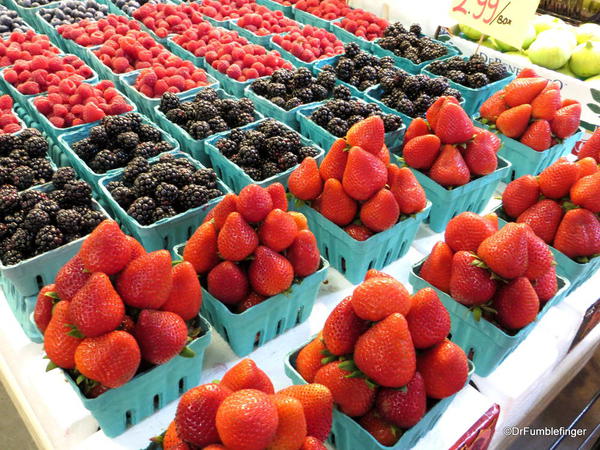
pixel 489 43
pixel 470 32
pixel 566 70
pixel 551 49
pixel 588 32
pixel 545 22
pixel 529 37
pixel 585 60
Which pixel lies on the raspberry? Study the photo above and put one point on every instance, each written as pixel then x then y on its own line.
pixel 91 113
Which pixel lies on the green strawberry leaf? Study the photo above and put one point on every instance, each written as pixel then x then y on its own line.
pixel 75 332
pixel 187 352
pixel 328 360
pixel 158 439
pixel 80 379
pixel 51 366
pixel 348 366
pixel 175 262
pixel 215 381
pixel 477 313
pixel 488 309
pixel 325 352
pixel 371 384
pixel 52 294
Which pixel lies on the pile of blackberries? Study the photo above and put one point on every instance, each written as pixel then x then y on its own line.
pixel 289 89
pixel 361 69
pixel 23 161
pixel 474 72
pixel 119 139
pixel 265 151
pixel 34 221
pixel 414 94
pixel 74 11
pixel 207 114
pixel 151 192
pixel 411 44
pixel 10 21
pixel 129 6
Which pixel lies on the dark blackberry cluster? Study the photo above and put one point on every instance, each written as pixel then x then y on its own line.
pixel 33 222
pixel 151 192
pixel 207 114
pixel 23 161
pixel 267 150
pixel 474 72
pixel 411 44
pixel 119 139
pixel 338 115
pixel 289 89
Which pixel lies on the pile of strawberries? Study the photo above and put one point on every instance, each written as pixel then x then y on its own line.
pixel 9 123
pixel 166 18
pixel 155 81
pixel 561 206
pixel 203 38
pixel 381 339
pixel 364 24
pixel 310 43
pixel 35 76
pixel 73 102
pixel 357 181
pixel 506 275
pixel 264 22
pixel 447 147
pixel 591 147
pixel 325 9
pixel 242 411
pixel 530 110
pixel 89 33
pixel 112 306
pixel 24 46
pixel 222 10
pixel 251 248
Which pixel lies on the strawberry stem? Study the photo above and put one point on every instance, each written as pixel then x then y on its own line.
pixel 187 352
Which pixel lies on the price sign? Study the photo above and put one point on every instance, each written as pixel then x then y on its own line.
pixel 506 20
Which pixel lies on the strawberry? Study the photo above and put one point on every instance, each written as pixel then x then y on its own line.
pixel 470 285
pixel 254 203
pixel 392 170
pixel 527 72
pixel 161 335
pixel 538 136
pixel 492 219
pixel 591 147
pixel 228 283
pixel 196 414
pixel 300 219
pixel 384 155
pixel 270 273
pixel 42 314
pixel 106 249
pixel 111 359
pixel 417 127
pixel 201 249
pixel 587 166
pixel 543 218
pixel 520 194
pixel 454 126
pixel 225 207
pixel 70 278
pixel 317 403
pixel 539 256
pixel 376 298
pixel 358 232
pixel 172 440
pixel 556 180
pixel 137 249
pixel 291 428
pixel 305 181
pixel 304 254
pixel 523 90
pixel 277 193
pixel 403 408
pixel 466 231
pixel 546 286
pixel 438 266
pixel 545 105
pixel 379 428
pixel 421 151
pixel 334 162
pixel 586 193
pixel 308 361
pixel 450 169
pixel 312 443
pixel 343 328
pixel 185 298
pixel 146 281
pixel 493 107
pixel 58 343
pixel 428 320
pixel 517 304
pixel 336 205
pixel 247 375
pixel 278 231
pixel 374 273
pixel 237 239
pixel 488 138
pixel 444 369
pixel 364 174
pixel 381 211
pixel 385 352
pixel 96 308
pixel 566 121
pixel 251 300
pixel 434 110
pixel 480 156
pixel 408 192
pixel 505 252
pixel 367 134
pixel 578 234
pixel 353 396
pixel 514 121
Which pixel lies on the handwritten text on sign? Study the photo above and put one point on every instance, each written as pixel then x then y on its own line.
pixel 506 20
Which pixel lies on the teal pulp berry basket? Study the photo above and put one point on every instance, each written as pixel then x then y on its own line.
pixel 168 232
pixel 118 409
pixel 253 328
pixel 307 18
pixel 347 434
pixel 234 177
pixel 354 91
pixel 485 344
pixel 354 258
pixel 324 139
pixel 273 5
pixel 346 37
pixel 295 61
pixel 407 64
pixel 22 308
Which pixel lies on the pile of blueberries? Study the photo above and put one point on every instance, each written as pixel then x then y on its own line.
pixel 73 11
pixel 129 6
pixel 10 21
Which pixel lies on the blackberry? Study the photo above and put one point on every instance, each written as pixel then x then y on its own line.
pixel 60 197
pixel 122 157
pixel 366 84
pixel 496 71
pixel 217 125
pixel 388 83
pixel 135 167
pixel 277 90
pixel 256 138
pixel 199 130
pixel 177 116
pixel 42 168
pixel 69 221
pixel 368 73
pixel 328 68
pixel 387 62
pixel 351 49
pixel 361 60
pixel 161 147
pixel 135 121
pixel 319 92
pixel 3 231
pixel 307 151
pixel 415 29
pixel 283 76
pixel 243 119
pixel 340 108
pixel 7 162
pixel 287 160
pixel 344 68
pixel 476 63
pixel 292 103
pixel 5 175
pixel 438 67
pixel 36 146
pixel 294 139
pixel 302 78
pixel 167 194
pixel 224 105
pixel 8 142
pixel 253 172
pixel 249 156
pixel 245 105
pixel 477 80
pixel 371 108
pixel 207 94
pixel 338 127
pixel 326 79
pixel 355 119
pixel 145 184
pixel 104 161
pixel 205 110
pixel 23 177
pixel 19 155
pixel 432 51
pixel 271 128
pixel 267 170
pixel 413 55
pixel 115 125
pixel 50 206
pixel 406 106
pixel 227 147
pixel 205 177
pixel 85 149
pixel 78 193
pixel 48 238
pixel 148 133
pixel 423 103
pixel 279 101
pixel 123 196
pixel 391 122
pixel 237 135
pixel 14 221
pixel 163 212
pixel 91 219
pixel 457 76
pixel 98 136
pixel 36 219
pixel 27 133
pixel 20 240
pixel 412 87
pixel 128 140
pixel 169 101
pixel 454 63
pixel 304 94
pixel 436 86
pixel 28 199
pixel 193 196
pixel 142 210
pixel 453 93
pixel 146 150
pixel 277 146
pixel 12 257
pixel 260 86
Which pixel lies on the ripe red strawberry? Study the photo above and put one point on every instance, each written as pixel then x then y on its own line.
pixel 543 218
pixel 367 134
pixel 374 273
pixel 305 181
pixel 493 107
pixel 364 174
pixel 278 231
pixel 161 335
pixel 545 105
pixel 300 219
pixel 270 273
pixel 591 147
pixel 385 352
pixel 334 162
pixel 556 181
pixel 358 232
pixel 312 443
pixel 291 428
pixel 566 121
pixel 111 359
pixel 381 211
pixel 137 249
pixel 70 278
pixel 436 107
pixel 384 155
pixel 428 320
pixel 539 256
pixel 304 254
pixel 277 193
pixel 492 219
pixel 480 156
pixel 538 136
pixel 343 328
pixel 247 375
pixel 421 151
pixel 417 127
pixel 505 252
pixel 201 248
pixel 586 192
pixel 517 304
pixel 228 283
pixel 444 369
pixel 106 249
pixel 469 284
pixel 376 298
pixel 587 166
pixel 96 308
pixel 438 266
pixel 383 431
pixel 578 234
pixel 527 72
pixel 523 90
pixel 466 231
pixel 317 402
pixel 450 169
pixel 514 121
pixel 403 408
pixel 454 126
pixel 336 204
pixel 172 440
pixel 489 138
pixel 237 239
pixel 58 343
pixel 185 298
pixel 254 203
pixel 546 286
pixel 308 361
pixel 408 192
pixel 42 314
pixel 251 300
pixel 520 194
pixel 223 209
pixel 146 281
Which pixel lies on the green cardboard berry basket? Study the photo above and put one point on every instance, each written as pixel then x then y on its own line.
pixel 407 64
pixel 307 18
pixel 276 6
pixel 488 344
pixel 253 328
pixel 346 37
pixel 318 68
pixel 354 258
pixel 347 434
pixel 168 232
pixel 234 177
pixel 118 409
pixel 295 61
